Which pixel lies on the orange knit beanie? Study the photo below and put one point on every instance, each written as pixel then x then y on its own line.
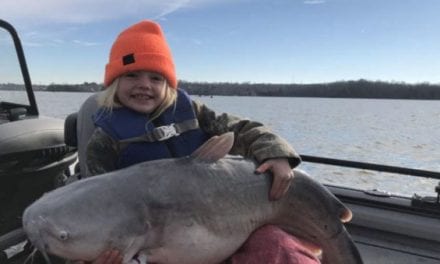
pixel 140 47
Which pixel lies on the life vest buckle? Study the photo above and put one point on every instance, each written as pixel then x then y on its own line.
pixel 165 132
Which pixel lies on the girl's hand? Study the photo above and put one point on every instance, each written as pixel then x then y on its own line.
pixel 282 176
pixel 108 257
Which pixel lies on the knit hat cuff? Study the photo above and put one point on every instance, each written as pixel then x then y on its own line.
pixel 141 62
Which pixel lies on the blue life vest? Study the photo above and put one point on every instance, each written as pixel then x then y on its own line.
pixel 125 124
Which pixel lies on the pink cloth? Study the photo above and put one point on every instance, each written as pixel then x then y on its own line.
pixel 271 245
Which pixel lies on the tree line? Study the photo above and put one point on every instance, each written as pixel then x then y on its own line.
pixel 342 89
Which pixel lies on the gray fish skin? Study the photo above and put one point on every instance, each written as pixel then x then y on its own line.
pixel 185 211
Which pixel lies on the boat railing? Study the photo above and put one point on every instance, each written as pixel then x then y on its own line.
pixel 372 166
pixel 431 203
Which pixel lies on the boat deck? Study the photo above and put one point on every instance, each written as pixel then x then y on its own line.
pixel 388 236
pixel 386 248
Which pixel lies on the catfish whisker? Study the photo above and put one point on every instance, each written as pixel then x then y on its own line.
pixel 46 257
pixel 31 256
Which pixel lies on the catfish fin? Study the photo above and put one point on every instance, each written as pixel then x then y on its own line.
pixel 215 148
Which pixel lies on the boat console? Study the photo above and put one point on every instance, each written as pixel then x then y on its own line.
pixel 33 156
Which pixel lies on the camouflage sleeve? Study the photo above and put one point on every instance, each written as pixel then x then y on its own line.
pixel 102 154
pixel 252 139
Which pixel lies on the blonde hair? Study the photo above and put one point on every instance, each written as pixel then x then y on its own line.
pixel 108 99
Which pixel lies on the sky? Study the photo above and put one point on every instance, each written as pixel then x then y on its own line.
pixel 256 41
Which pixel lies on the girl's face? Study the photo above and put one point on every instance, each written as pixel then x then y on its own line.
pixel 141 91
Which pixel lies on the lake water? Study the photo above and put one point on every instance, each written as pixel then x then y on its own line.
pixel 394 132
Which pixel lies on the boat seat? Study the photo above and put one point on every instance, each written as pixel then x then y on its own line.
pixel 78 129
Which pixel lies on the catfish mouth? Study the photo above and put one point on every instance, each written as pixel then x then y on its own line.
pixel 38 245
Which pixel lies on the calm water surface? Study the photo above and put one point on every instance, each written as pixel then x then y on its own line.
pixel 393 132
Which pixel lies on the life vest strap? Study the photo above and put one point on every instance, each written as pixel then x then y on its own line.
pixel 164 132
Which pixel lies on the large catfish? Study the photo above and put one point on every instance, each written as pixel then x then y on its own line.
pixel 192 210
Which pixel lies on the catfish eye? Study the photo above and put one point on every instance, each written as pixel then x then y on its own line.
pixel 63 235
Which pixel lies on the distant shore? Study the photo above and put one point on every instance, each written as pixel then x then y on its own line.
pixel 342 89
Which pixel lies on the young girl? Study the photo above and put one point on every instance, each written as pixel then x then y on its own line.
pixel 144 116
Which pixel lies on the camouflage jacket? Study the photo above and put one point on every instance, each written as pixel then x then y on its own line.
pixel 252 140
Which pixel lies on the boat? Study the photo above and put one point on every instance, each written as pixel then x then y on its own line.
pixel 34 158
pixel 387 228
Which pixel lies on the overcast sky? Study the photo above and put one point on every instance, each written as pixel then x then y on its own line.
pixel 276 41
